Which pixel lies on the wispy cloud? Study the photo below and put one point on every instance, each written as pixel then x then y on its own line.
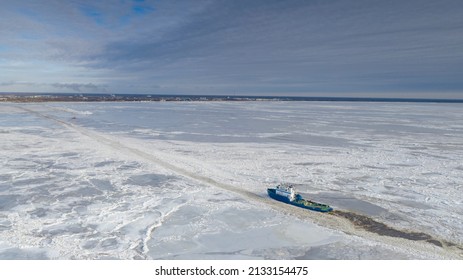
pixel 41 87
pixel 80 87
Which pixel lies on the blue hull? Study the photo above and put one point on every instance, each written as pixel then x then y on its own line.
pixel 300 203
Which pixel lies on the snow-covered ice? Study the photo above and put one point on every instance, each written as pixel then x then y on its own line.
pixel 168 180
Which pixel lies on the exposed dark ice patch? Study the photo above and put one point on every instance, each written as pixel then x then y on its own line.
pixel 219 255
pixel 81 192
pixel 374 167
pixel 20 164
pixel 5 177
pixel 221 198
pixel 61 166
pixel 89 244
pixel 102 185
pixel 109 243
pixel 31 131
pixel 225 200
pixel 31 181
pixel 104 163
pixel 5 225
pixel 39 212
pixel 428 155
pixel 402 165
pixel 347 202
pixel 129 166
pixel 342 181
pixel 336 251
pixel 310 163
pixel 22 254
pixel 8 201
pixel 154 180
pixel 415 204
pixel 316 140
pixel 416 148
pixel 186 213
pixel 64 229
pixel 431 174
pixel 70 155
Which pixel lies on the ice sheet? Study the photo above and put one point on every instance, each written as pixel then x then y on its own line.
pixel 114 180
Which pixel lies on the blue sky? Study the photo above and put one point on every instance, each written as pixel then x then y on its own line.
pixel 262 47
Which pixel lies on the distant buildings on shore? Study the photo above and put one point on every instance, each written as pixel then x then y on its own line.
pixel 122 97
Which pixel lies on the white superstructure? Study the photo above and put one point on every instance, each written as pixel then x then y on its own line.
pixel 286 190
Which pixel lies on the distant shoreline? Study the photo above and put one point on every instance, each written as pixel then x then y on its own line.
pixel 87 97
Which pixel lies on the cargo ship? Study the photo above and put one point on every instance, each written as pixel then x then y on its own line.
pixel 287 194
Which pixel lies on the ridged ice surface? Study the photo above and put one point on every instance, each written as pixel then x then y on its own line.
pixel 188 180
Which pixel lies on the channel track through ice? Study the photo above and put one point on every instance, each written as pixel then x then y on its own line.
pixel 334 221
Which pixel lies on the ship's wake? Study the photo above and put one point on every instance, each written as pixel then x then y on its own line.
pixel 382 229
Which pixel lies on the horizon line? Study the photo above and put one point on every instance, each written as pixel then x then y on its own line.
pixel 234 96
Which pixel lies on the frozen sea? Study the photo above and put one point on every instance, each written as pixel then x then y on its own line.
pixel 187 180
